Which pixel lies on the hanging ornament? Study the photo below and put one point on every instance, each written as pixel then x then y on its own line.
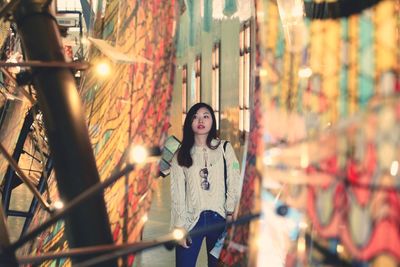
pixel 230 8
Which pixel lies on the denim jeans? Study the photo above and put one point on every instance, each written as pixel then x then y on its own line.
pixel 187 257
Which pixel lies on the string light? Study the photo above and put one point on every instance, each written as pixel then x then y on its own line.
pixel 58 204
pixel 103 69
pixel 301 245
pixel 84 41
pixel 305 72
pixel 339 249
pixel 267 160
pixel 394 168
pixel 145 218
pixel 263 72
pixel 138 154
pixel 178 234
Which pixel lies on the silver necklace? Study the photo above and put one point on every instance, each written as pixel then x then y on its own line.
pixel 205 184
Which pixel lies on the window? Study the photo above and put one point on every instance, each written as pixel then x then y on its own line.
pixel 69 5
pixel 244 78
pixel 197 74
pixel 215 83
pixel 191 95
pixel 184 92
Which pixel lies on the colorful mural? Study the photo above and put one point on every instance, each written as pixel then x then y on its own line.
pixel 128 107
pixel 329 121
pixel 323 141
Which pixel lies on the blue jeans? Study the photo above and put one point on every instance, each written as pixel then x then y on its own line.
pixel 187 257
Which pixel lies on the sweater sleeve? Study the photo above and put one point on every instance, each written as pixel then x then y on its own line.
pixel 178 211
pixel 233 179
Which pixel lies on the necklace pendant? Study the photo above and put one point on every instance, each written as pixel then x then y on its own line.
pixel 205 185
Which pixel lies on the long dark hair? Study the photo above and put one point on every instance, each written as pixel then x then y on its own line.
pixel 184 157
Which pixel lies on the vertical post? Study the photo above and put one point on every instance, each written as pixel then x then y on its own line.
pixel 10 179
pixel 69 142
pixel 41 187
pixel 7 258
pixel 289 99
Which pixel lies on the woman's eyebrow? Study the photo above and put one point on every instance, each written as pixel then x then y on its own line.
pixel 206 112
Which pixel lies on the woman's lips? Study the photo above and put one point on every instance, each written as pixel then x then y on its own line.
pixel 200 127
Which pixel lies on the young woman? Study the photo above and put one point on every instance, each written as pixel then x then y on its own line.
pixel 198 192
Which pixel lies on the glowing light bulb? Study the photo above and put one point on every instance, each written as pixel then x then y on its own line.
pixel 303 225
pixel 84 41
pixel 394 168
pixel 263 72
pixel 301 245
pixel 138 154
pixel 178 234
pixel 58 204
pixel 103 69
pixel 267 160
pixel 339 249
pixel 304 161
pixel 305 72
pixel 145 218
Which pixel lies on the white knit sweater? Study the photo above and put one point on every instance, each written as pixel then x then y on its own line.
pixel 189 199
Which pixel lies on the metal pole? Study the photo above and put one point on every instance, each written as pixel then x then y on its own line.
pixel 58 98
pixel 96 250
pixel 9 180
pixel 135 248
pixel 7 258
pixel 70 206
pixel 46 64
pixel 41 187
pixel 24 178
pixel 113 251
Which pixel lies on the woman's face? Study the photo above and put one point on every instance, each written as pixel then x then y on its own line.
pixel 202 122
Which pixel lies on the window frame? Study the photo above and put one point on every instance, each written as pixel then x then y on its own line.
pixel 216 81
pixel 197 75
pixel 245 61
pixel 184 91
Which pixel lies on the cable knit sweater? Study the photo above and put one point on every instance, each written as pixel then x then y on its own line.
pixel 189 199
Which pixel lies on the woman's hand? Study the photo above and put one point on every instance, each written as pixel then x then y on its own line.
pixel 181 236
pixel 229 216
pixel 183 242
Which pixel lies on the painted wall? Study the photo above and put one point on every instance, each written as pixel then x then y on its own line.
pixel 322 134
pixel 128 107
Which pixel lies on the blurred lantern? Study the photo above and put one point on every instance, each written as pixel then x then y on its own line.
pixel 292 17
